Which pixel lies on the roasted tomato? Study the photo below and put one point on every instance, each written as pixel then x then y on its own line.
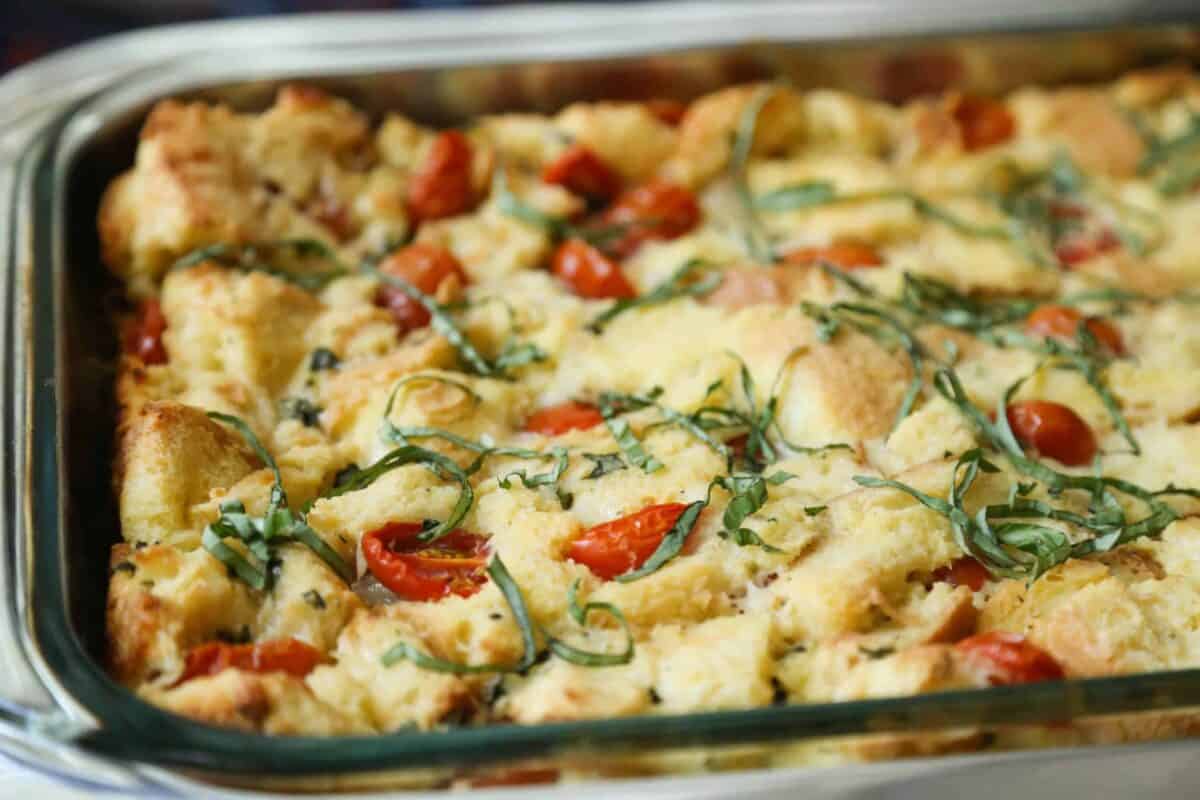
pixel 1008 658
pixel 569 416
pixel 1074 249
pixel 279 655
pixel 655 210
pixel 669 111
pixel 964 571
pixel 589 273
pixel 441 186
pixel 843 255
pixel 616 547
pixel 581 171
pixel 425 266
pixel 1062 322
pixel 454 564
pixel 516 776
pixel 1053 430
pixel 982 122
pixel 145 336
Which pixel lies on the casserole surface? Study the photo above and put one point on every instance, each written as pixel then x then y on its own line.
pixel 854 288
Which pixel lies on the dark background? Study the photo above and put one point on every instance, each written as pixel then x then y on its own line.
pixel 32 28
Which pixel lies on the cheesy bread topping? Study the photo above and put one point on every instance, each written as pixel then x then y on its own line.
pixel 644 408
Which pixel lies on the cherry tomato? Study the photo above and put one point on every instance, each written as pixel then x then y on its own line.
pixel 517 776
pixel 983 122
pixel 1009 658
pixel 569 416
pixel 620 545
pixel 279 655
pixel 668 111
pixel 441 186
pixel 843 255
pixel 964 571
pixel 1062 322
pixel 582 172
pixel 589 273
pixel 655 210
pixel 453 564
pixel 1074 250
pixel 425 266
pixel 1053 430
pixel 145 336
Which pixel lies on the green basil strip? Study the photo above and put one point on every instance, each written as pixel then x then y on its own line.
pixel 255 257
pixel 801 195
pixel 308 537
pixel 441 322
pixel 757 241
pixel 278 523
pixel 438 464
pixel 629 444
pixel 604 464
pixel 673 288
pixel 671 544
pixel 388 431
pixel 403 651
pixel 749 494
pixel 544 479
pixel 253 575
pixel 585 658
pixel 278 498
pixel 510 204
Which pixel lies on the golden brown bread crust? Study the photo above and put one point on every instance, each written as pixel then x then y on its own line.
pixel 848 599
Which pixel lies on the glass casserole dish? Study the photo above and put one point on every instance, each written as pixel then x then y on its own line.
pixel 54 278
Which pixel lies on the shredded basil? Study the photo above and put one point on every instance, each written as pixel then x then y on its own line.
pixel 403 651
pixel 682 283
pixel 884 329
pixel 556 228
pixel 585 658
pixel 303 409
pixel 1011 539
pixel 670 545
pixel 757 241
pixel 624 436
pixel 438 464
pixel 604 464
pixel 322 359
pixel 269 257
pixel 749 494
pixel 261 535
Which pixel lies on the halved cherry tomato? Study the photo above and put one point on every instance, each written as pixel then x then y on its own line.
pixel 964 571
pixel 1008 658
pixel 1076 249
pixel 1062 322
pixel 983 122
pixel 441 186
pixel 279 655
pixel 655 210
pixel 1053 430
pixel 669 111
pixel 569 416
pixel 453 564
pixel 581 171
pixel 623 544
pixel 145 337
pixel 589 273
pixel 516 776
pixel 425 266
pixel 844 255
